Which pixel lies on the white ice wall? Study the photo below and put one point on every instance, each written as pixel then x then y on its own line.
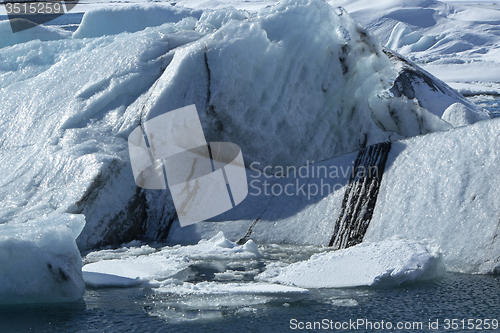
pixel 445 187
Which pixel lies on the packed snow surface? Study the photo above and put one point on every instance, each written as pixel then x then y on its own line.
pixel 391 262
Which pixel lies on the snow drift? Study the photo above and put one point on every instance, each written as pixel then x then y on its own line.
pixel 457 43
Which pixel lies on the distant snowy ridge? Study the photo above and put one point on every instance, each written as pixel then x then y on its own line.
pixel 459 44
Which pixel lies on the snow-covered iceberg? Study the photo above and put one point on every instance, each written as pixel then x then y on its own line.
pixel 387 263
pixel 296 82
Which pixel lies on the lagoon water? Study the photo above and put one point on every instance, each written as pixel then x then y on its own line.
pixel 453 296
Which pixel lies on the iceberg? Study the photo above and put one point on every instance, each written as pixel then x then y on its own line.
pixel 288 91
pixel 40 262
pixel 386 263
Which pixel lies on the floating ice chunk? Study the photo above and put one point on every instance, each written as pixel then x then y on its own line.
pixel 177 301
pixel 154 266
pixel 148 264
pixel 111 20
pixel 39 260
pixel 218 247
pixel 212 20
pixel 386 263
pixel 121 253
pixel 459 115
pixel 234 275
pixel 347 302
pixel 44 33
pixel 215 288
pixel 101 280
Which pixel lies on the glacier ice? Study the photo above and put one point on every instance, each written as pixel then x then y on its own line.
pixel 286 90
pixel 328 95
pixel 39 260
pixel 390 262
pixel 40 32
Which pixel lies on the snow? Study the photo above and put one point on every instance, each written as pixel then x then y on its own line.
pixel 39 260
pixel 457 43
pixel 387 263
pixel 113 20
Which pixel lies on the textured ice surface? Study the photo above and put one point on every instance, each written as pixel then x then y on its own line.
pixel 391 262
pixel 39 260
pixel 44 33
pixel 134 266
pixel 445 187
pixel 287 91
pixel 269 75
pixel 459 44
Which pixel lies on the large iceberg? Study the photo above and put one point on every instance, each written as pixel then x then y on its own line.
pixel 294 83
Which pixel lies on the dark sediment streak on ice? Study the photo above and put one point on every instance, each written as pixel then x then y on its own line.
pixel 360 196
